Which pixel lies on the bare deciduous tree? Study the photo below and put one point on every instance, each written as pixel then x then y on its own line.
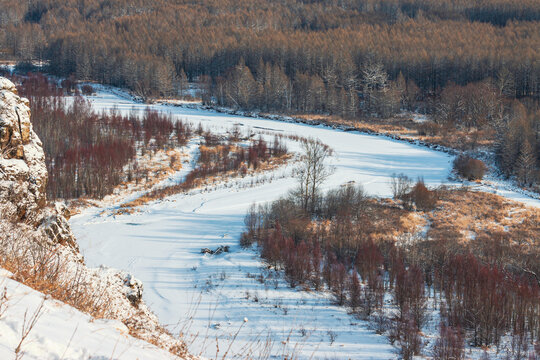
pixel 401 185
pixel 312 173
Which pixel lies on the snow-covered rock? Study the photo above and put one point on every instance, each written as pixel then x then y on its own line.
pixel 23 174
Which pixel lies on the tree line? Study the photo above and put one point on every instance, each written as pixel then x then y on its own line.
pixel 462 62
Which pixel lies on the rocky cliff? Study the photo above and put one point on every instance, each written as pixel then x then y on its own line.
pixel 23 175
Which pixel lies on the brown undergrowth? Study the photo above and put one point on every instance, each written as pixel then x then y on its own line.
pixel 27 256
pixel 472 214
pixel 219 162
pixel 461 221
pixel 59 273
pixel 406 128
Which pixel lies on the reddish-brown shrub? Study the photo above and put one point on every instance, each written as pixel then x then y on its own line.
pixel 422 197
pixel 469 168
pixel 449 345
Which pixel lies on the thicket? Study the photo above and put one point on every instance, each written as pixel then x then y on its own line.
pixel 469 168
pixel 219 157
pixel 26 254
pixel 89 153
pixel 346 246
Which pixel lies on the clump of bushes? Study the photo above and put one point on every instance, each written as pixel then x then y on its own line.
pixel 422 197
pixel 418 194
pixel 87 90
pixel 429 128
pixel 469 168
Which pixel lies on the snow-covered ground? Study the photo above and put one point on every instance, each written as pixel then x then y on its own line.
pixel 209 297
pixel 60 331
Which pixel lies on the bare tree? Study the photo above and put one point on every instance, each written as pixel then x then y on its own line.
pixel 401 185
pixel 374 81
pixel 505 82
pixel 312 173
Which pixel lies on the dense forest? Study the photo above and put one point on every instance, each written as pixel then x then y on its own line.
pixel 149 45
pixel 474 66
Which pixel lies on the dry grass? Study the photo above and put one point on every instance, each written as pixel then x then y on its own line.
pixel 25 253
pixel 488 225
pixel 471 214
pixel 45 268
pixel 406 128
pixel 389 221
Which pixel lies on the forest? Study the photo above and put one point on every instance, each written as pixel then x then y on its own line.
pixel 473 66
pixel 150 46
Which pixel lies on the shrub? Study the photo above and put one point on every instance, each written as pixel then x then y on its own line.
pixel 87 90
pixel 422 197
pixel 449 345
pixel 469 168
pixel 405 335
pixel 401 185
pixel 27 254
pixel 429 128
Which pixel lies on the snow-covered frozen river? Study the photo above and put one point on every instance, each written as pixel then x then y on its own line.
pixel 208 297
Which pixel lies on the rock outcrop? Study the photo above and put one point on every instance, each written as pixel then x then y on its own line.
pixel 23 174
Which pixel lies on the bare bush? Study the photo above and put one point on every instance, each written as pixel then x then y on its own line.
pixel 3 301
pixel 422 197
pixel 449 345
pixel 28 324
pixel 40 266
pixel 469 168
pixel 429 128
pixel 87 90
pixel 405 335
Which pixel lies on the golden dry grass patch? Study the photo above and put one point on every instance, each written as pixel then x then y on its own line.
pixel 465 215
pixel 405 127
